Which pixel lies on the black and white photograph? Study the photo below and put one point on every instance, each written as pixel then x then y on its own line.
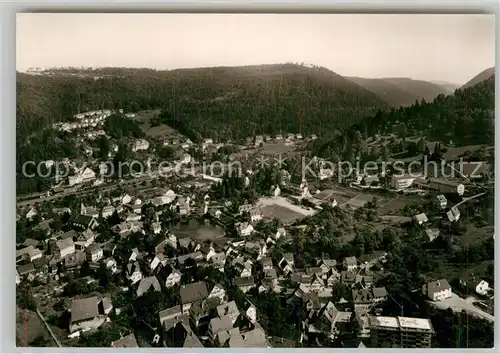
pixel 255 180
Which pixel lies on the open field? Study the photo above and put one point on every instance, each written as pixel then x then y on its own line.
pixel 159 132
pixel 283 210
pixel 29 327
pixel 198 231
pixel 359 200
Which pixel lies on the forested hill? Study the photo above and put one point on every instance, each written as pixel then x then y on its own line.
pixel 218 102
pixel 466 117
pixel 483 75
pixel 399 92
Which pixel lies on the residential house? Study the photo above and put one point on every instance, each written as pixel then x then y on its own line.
pixel 364 299
pixel 437 290
pixel 170 316
pixel 244 269
pixel 128 341
pixel 280 233
pixel 191 293
pixel 147 284
pixel 133 255
pixel 182 336
pixel 140 145
pixel 453 214
pixel 326 266
pixel 244 229
pixel 29 253
pixel 442 201
pixel 194 256
pixel 229 309
pixel 480 287
pixel 171 240
pixel 65 247
pixel 350 263
pixel 255 215
pixel 31 213
pixel 94 253
pixel 85 239
pixel 348 277
pixel 420 219
pixel 266 263
pixel 85 314
pixel 27 271
pixel 111 264
pixel 245 284
pixel 218 292
pixel 287 263
pixel 83 222
pixel 134 273
pixel 174 278
pixel 218 325
pixel 156 227
pixel 431 234
pixel 219 261
pixel 245 208
pixel 334 319
pixel 107 211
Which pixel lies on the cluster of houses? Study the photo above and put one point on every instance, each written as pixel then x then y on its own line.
pixel 89 119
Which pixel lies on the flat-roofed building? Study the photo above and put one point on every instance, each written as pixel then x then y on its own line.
pixel 400 332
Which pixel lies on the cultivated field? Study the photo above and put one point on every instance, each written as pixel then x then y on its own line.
pixel 158 132
pixel 30 327
pixel 283 210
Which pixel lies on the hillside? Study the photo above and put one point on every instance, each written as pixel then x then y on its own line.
pixel 482 76
pixel 389 92
pixel 466 117
pixel 220 102
pixel 448 86
pixel 423 89
pixel 399 92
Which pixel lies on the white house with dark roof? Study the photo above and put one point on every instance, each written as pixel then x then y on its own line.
pixel 65 247
pixel 94 253
pixel 421 218
pixel 437 290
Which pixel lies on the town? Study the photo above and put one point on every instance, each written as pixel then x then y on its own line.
pixel 237 259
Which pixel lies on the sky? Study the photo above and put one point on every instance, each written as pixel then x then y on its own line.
pixel 451 48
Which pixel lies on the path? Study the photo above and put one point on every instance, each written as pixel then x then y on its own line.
pixel 48 328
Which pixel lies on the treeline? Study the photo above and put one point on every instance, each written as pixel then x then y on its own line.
pixel 214 102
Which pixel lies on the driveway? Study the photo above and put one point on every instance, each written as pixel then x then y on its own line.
pixel 457 304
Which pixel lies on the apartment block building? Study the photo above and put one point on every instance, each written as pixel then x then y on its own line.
pixel 400 332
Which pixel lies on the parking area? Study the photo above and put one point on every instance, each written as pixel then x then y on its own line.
pixel 458 304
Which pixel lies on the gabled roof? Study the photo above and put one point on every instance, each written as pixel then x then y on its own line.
pixel 84 309
pixel 146 284
pixel 193 292
pixel 219 324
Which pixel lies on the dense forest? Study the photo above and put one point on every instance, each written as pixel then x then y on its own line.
pixel 238 102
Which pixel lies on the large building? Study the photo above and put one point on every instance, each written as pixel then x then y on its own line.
pixel 400 332
pixel 402 182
